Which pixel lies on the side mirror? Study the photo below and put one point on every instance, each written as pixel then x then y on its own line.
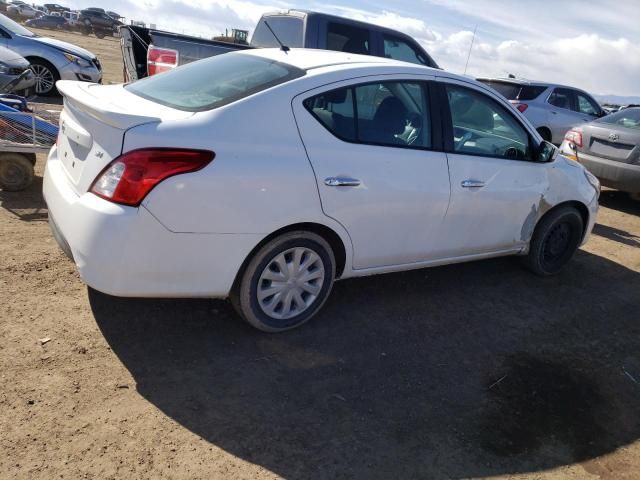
pixel 546 152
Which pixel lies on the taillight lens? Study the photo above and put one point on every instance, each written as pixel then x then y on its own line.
pixel 522 107
pixel 575 137
pixel 130 177
pixel 161 59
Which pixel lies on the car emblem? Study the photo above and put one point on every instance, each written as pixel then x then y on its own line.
pixel 614 137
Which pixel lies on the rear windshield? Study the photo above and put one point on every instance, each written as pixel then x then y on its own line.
pixel 214 81
pixel 515 91
pixel 629 118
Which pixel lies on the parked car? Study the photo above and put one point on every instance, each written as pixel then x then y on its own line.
pixel 71 18
pixel 148 51
pixel 552 109
pixel 42 9
pixel 22 11
pixel 50 59
pixel 47 21
pixel 365 166
pixel 16 72
pixel 610 148
pixel 54 7
pixel 98 22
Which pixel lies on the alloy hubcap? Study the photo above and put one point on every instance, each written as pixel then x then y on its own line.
pixel 44 78
pixel 290 283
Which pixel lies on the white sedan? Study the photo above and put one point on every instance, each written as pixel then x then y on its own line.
pixel 265 175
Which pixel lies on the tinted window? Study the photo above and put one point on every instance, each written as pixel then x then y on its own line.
pixel 483 127
pixel 629 118
pixel 389 113
pixel 288 29
pixel 516 91
pixel 345 38
pixel 214 81
pixel 587 105
pixel 401 50
pixel 561 98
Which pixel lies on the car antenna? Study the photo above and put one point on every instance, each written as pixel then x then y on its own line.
pixel 283 47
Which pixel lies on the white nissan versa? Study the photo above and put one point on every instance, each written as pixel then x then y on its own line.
pixel 265 175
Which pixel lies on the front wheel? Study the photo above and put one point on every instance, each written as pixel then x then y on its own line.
pixel 286 282
pixel 46 77
pixel 16 172
pixel 554 241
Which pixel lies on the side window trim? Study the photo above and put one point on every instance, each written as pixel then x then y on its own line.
pixel 444 110
pixel 432 102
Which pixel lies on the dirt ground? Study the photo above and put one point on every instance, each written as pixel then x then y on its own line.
pixel 466 371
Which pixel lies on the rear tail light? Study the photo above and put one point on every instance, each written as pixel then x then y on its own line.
pixel 129 178
pixel 575 137
pixel 161 59
pixel 521 107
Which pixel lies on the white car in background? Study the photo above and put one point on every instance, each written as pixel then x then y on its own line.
pixel 552 109
pixel 265 175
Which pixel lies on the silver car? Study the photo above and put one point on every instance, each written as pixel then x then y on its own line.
pixel 552 109
pixel 15 72
pixel 610 148
pixel 51 60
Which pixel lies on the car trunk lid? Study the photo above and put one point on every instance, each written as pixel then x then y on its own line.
pixel 93 124
pixel 619 144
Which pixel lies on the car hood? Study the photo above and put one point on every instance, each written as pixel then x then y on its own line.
pixel 11 58
pixel 65 47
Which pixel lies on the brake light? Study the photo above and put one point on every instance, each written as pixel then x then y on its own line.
pixel 129 178
pixel 522 107
pixel 161 59
pixel 575 137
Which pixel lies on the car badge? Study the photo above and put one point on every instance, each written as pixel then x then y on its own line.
pixel 614 137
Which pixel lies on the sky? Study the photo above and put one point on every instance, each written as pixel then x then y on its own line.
pixel 593 45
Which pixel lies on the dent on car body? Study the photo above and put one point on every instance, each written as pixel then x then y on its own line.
pixel 536 213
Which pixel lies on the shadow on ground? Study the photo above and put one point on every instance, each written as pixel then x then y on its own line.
pixel 619 201
pixel 455 372
pixel 28 205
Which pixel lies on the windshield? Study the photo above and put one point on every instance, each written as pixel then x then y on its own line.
pixel 214 81
pixel 629 118
pixel 15 28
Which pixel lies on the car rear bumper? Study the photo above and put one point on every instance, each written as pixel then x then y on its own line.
pixel 612 174
pixel 125 251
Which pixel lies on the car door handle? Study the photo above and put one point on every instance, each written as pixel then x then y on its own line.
pixel 341 182
pixel 472 184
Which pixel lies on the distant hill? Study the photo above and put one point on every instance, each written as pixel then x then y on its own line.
pixel 617 99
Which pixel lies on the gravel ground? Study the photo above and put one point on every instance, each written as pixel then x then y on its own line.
pixel 474 370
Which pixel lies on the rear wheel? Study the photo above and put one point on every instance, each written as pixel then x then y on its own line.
pixel 286 282
pixel 46 77
pixel 554 241
pixel 635 196
pixel 16 172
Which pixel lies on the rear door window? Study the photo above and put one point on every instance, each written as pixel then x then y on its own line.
pixel 384 113
pixel 346 38
pixel 562 98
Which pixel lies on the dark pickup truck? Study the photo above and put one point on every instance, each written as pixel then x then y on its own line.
pixel 147 52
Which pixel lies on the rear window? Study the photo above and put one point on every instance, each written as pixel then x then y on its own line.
pixel 214 81
pixel 515 91
pixel 288 29
pixel 629 118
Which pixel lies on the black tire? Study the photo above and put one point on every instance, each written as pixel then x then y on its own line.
pixel 244 296
pixel 635 196
pixel 555 239
pixel 545 133
pixel 99 34
pixel 45 82
pixel 16 172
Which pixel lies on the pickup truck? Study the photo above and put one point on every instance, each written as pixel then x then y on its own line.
pixel 147 52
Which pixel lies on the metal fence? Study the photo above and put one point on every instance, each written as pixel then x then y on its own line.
pixel 29 131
